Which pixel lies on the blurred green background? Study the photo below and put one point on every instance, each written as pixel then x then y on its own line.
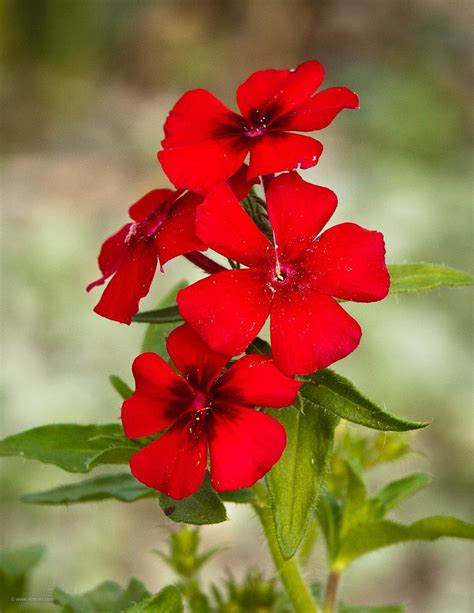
pixel 85 88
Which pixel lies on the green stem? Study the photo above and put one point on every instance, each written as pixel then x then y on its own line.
pixel 330 599
pixel 288 570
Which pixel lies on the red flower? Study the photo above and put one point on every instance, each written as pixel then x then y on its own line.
pixel 205 408
pixel 163 228
pixel 295 280
pixel 205 142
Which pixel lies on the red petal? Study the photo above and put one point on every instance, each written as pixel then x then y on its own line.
pixel 259 89
pixel 255 380
pixel 194 118
pixel 227 309
pixel 240 184
pixel 149 203
pixel 280 151
pixel 177 235
pixel 130 283
pixel 111 255
pixel 223 225
pixel 197 155
pixel 201 165
pixel 298 211
pixel 283 89
pixel 244 444
pixel 159 400
pixel 175 463
pixel 310 331
pixel 319 111
pixel 198 364
pixel 348 262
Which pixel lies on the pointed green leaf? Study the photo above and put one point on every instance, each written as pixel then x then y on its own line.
pixel 122 486
pixel 257 209
pixel 107 597
pixel 355 508
pixel 72 447
pixel 337 394
pixel 167 601
pixel 15 567
pixel 295 480
pixel 203 507
pixel 368 537
pixel 240 496
pixel 395 492
pixel 159 316
pixel 119 385
pixel 259 346
pixel 157 332
pixel 393 608
pixel 421 277
pixel 329 514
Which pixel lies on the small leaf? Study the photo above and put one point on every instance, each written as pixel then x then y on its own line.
pixel 337 394
pixel 167 601
pixel 259 346
pixel 15 566
pixel 156 333
pixel 421 277
pixel 329 514
pixel 240 496
pixel 395 492
pixel 203 507
pixel 368 537
pixel 159 316
pixel 119 385
pixel 392 608
pixel 355 509
pixel 123 487
pixel 257 210
pixel 72 447
pixel 107 597
pixel 295 480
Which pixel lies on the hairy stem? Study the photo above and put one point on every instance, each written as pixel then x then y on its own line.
pixel 204 263
pixel 288 570
pixel 330 598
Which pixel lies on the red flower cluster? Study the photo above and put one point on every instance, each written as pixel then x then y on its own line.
pixel 296 278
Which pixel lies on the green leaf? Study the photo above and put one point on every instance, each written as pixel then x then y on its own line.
pixel 159 316
pixel 295 480
pixel 157 332
pixel 15 566
pixel 167 601
pixel 257 210
pixel 259 346
pixel 203 507
pixel 355 509
pixel 72 447
pixel 107 597
pixel 337 394
pixel 123 390
pixel 395 492
pixel 421 277
pixel 393 608
pixel 240 496
pixel 122 486
pixel 371 536
pixel 329 514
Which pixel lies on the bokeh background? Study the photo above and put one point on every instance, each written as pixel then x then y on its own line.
pixel 85 88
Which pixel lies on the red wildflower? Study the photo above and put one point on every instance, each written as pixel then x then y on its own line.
pixel 296 280
pixel 205 408
pixel 162 228
pixel 205 142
